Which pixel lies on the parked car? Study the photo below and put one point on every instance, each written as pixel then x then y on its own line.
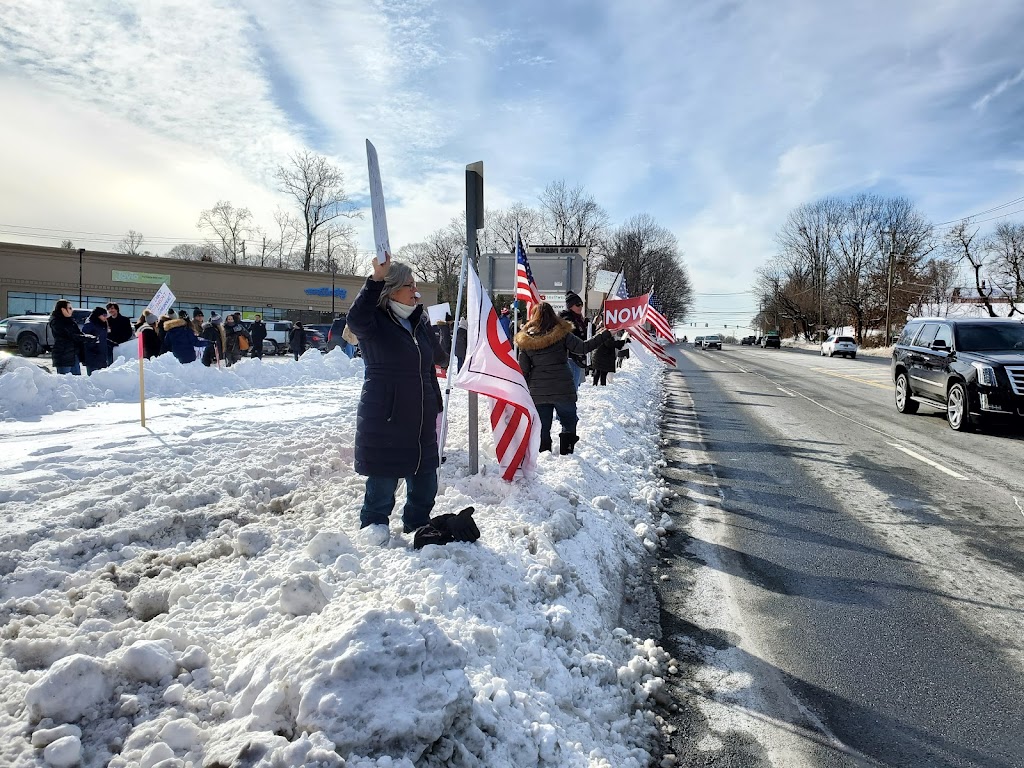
pixel 315 339
pixel 711 342
pixel 697 342
pixel 748 341
pixel 277 336
pixel 839 345
pixel 31 333
pixel 971 368
pixel 771 340
pixel 322 328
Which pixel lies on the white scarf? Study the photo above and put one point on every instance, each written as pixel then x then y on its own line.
pixel 404 311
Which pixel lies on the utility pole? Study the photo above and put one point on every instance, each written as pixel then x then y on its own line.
pixel 888 292
pixel 81 253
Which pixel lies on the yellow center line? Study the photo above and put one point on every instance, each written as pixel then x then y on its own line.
pixel 851 377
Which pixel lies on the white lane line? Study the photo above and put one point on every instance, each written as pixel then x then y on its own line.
pixel 785 392
pixel 1019 505
pixel 928 461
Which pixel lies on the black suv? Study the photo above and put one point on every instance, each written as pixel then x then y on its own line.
pixel 969 368
pixel 771 340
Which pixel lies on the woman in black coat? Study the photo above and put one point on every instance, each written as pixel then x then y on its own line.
pixel 396 421
pixel 545 344
pixel 97 348
pixel 603 359
pixel 297 340
pixel 150 341
pixel 68 340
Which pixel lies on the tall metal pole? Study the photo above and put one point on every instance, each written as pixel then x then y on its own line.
pixel 81 252
pixel 474 222
pixel 888 298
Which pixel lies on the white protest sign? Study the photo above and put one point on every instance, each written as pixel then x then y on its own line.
pixel 162 301
pixel 380 220
pixel 604 280
pixel 438 312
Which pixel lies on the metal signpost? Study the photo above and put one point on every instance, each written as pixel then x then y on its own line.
pixel 474 222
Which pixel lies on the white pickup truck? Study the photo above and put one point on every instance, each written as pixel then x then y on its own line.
pixel 31 333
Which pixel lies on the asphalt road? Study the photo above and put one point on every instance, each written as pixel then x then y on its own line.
pixel 848 585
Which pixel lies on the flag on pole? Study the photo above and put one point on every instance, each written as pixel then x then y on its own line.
pixel 620 290
pixel 526 286
pixel 651 345
pixel 658 320
pixel 490 369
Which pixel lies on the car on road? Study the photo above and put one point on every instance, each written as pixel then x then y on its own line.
pixel 31 333
pixel 839 345
pixel 748 341
pixel 711 342
pixel 771 340
pixel 973 369
pixel 698 342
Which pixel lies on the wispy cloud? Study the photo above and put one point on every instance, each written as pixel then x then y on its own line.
pixel 1002 87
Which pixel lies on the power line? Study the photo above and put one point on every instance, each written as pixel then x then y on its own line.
pixel 982 213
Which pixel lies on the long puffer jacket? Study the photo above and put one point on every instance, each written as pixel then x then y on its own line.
pixel 396 420
pixel 96 348
pixel 544 361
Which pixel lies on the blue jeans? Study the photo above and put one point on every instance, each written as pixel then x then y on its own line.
pixel 379 499
pixel 566 417
pixel 577 373
pixel 74 370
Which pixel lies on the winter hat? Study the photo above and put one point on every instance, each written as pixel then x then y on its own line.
pixel 573 299
pixel 182 314
pixel 215 318
pixel 197 312
pixel 151 319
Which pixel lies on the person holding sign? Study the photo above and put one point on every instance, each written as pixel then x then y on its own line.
pixel 545 344
pixel 400 400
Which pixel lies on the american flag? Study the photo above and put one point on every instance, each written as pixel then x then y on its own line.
pixel 621 291
pixel 658 320
pixel 652 346
pixel 526 286
pixel 491 369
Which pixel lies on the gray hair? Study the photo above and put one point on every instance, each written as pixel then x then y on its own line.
pixel 398 275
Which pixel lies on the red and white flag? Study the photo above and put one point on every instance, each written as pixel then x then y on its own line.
pixel 490 369
pixel 652 346
pixel 658 320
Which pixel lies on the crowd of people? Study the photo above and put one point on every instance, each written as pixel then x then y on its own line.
pixel 400 404
pixel 217 340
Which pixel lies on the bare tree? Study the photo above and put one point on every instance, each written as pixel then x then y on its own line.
pixel 571 216
pixel 438 259
pixel 503 224
pixel 67 245
pixel 1005 248
pixel 130 243
pixel 227 228
pixel 939 278
pixel 648 256
pixel 191 252
pixel 318 188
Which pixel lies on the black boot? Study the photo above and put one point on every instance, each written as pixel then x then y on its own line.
pixel 545 444
pixel 566 442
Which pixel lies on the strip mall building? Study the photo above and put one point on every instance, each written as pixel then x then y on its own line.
pixel 33 277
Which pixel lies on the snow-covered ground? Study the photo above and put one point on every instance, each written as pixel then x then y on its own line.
pixel 194 592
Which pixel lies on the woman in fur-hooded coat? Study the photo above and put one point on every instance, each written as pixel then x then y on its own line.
pixel 545 344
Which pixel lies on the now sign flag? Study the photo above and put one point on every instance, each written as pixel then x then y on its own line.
pixel 625 313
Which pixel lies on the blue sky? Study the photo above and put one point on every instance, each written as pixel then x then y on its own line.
pixel 717 118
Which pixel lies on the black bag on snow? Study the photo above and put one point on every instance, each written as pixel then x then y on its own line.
pixel 445 529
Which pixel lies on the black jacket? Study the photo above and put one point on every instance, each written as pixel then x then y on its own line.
pixel 68 342
pixel 119 329
pixel 461 341
pixel 603 358
pixel 579 330
pixel 544 361
pixel 96 346
pixel 297 340
pixel 400 401
pixel 258 331
pixel 150 342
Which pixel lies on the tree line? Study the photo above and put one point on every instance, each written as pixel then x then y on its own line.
pixel 320 237
pixel 648 254
pixel 868 261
